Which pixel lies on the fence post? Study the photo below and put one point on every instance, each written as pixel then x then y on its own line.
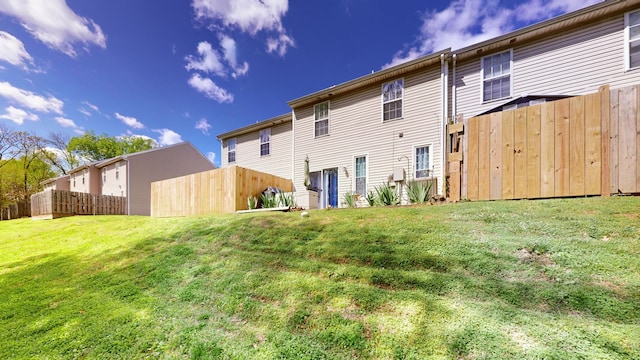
pixel 605 172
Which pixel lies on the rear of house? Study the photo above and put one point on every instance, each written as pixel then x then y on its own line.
pixel 265 146
pixel 383 127
pixel 85 179
pixel 572 54
pixel 58 183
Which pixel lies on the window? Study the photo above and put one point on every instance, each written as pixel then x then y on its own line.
pixel 632 39
pixel 104 175
pixel 392 99
pixel 422 162
pixel 321 119
pixel 117 171
pixel 231 150
pixel 361 175
pixel 265 140
pixel 496 76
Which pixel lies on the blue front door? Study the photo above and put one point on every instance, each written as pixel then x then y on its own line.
pixel 331 187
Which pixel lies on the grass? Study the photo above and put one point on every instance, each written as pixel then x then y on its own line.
pixel 548 279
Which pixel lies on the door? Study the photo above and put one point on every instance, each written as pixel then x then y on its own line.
pixel 330 187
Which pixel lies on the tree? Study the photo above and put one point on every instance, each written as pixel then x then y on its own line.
pixel 92 147
pixel 58 154
pixel 7 144
pixel 28 148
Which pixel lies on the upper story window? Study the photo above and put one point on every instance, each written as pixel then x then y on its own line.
pixel 361 175
pixel 117 171
pixel 104 175
pixel 321 119
pixel 231 150
pixel 496 76
pixel 265 140
pixel 632 39
pixel 392 94
pixel 422 162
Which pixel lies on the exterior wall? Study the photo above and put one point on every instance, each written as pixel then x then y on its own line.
pixel 356 129
pixel 278 162
pixel 114 179
pixel 59 183
pixel 573 63
pixel 91 183
pixel 160 164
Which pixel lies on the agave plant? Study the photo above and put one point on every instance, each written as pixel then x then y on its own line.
pixel 419 191
pixel 285 200
pixel 371 198
pixel 268 200
pixel 252 202
pixel 350 199
pixel 386 195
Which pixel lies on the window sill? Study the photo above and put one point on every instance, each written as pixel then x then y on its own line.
pixel 392 120
pixel 321 136
pixel 486 102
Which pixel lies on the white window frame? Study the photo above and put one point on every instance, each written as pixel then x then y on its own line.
pixel 104 175
pixel 117 171
pixel 229 151
pixel 414 162
pixel 327 119
pixel 627 41
pixel 401 99
pixel 355 173
pixel 267 131
pixel 482 79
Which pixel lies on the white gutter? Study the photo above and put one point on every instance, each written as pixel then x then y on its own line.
pixel 454 94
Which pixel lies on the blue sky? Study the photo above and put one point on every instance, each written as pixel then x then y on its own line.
pixel 189 70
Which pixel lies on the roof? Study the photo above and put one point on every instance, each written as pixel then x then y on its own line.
pixel 376 77
pixel 54 179
pixel 257 126
pixel 523 101
pixel 106 162
pixel 83 166
pixel 551 27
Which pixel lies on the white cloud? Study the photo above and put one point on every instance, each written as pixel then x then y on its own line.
pixel 168 137
pixel 18 116
pixel 129 121
pixel 211 156
pixel 154 143
pixel 12 51
pixel 209 61
pixel 466 22
pixel 30 100
pixel 84 111
pixel 68 123
pixel 250 16
pixel 91 106
pixel 230 55
pixel 55 24
pixel 210 89
pixel 203 125
pixel 280 44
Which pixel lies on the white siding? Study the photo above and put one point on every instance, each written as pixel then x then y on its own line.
pixel 356 129
pixel 278 162
pixel 112 185
pixel 91 183
pixel 574 63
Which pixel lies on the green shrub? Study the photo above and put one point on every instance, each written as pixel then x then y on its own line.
pixel 286 200
pixel 350 199
pixel 386 195
pixel 268 200
pixel 418 191
pixel 252 202
pixel 371 198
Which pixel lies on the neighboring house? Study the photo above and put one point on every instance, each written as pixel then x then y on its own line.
pixel 85 179
pixel 131 175
pixel 384 127
pixel 58 183
pixel 264 146
pixel 572 54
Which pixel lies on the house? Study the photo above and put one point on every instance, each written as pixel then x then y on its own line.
pixel 131 175
pixel 572 54
pixel 265 146
pixel 57 183
pixel 387 126
pixel 85 179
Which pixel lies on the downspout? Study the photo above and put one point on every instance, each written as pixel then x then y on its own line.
pixel 454 94
pixel 124 157
pixel 293 149
pixel 445 100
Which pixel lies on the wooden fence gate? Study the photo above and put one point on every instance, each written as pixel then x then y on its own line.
pixel 584 145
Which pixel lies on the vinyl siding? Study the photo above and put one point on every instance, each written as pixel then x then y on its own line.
pixel 278 162
pixel 573 63
pixel 113 186
pixel 161 164
pixel 356 129
pixel 91 181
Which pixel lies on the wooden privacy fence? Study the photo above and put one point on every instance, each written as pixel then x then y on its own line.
pixel 216 191
pixel 53 204
pixel 16 211
pixel 584 145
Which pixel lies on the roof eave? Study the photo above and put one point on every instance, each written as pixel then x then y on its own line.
pixel 376 77
pixel 280 119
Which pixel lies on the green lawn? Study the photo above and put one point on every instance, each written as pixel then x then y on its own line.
pixel 548 279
